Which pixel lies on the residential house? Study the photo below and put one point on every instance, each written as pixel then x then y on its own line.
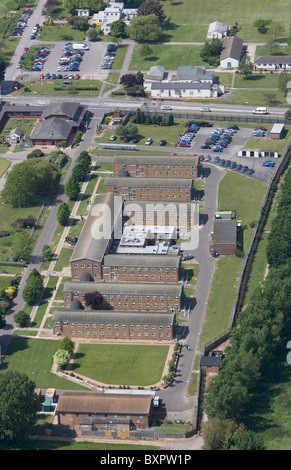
pixel 273 62
pixel 84 12
pixel 185 90
pixel 15 136
pixel 231 53
pixel 217 30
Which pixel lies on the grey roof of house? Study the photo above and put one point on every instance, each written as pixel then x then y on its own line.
pixel 225 231
pixel 52 128
pixel 66 108
pixel 111 316
pixel 149 182
pixel 273 59
pixel 181 86
pixel 90 245
pixel 170 261
pixel 156 72
pixel 217 26
pixel 123 288
pixel 210 361
pixel 186 72
pixel 17 132
pixel 156 160
pixel 232 47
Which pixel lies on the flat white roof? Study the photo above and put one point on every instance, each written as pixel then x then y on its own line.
pixel 277 128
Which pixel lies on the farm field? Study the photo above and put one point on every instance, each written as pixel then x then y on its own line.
pixel 140 365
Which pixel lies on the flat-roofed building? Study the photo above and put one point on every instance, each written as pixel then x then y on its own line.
pixel 138 268
pixel 132 297
pixel 103 225
pixel 151 189
pixel 109 324
pixel 156 167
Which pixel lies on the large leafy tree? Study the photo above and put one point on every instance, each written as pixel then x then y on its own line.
pixel 63 213
pixel 18 406
pixel 152 7
pixel 28 181
pixel 144 28
pixel 33 287
pixel 72 188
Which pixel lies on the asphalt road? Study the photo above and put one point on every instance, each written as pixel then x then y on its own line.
pixel 175 396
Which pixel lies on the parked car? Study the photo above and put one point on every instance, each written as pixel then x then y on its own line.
pixel 222 162
pixel 113 137
pixel 217 149
pixel 76 76
pixel 227 163
pixel 163 142
pixel 244 169
pixel 238 168
pixel 268 163
pixel 205 109
pixel 208 158
pixel 250 172
pixel 232 165
pixel 216 160
pixel 149 141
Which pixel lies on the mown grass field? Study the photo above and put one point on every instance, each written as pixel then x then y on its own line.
pixel 140 365
pixel 190 20
pixel 34 357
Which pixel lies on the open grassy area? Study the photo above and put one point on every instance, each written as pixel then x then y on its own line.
pixel 170 133
pixel 60 33
pixel 262 80
pixel 140 365
pixel 4 165
pixel 26 125
pixel 34 357
pixel 55 87
pixel 50 444
pixel 190 20
pixel 170 56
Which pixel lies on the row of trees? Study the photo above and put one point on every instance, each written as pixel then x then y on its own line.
pixel 142 118
pixel 261 330
pixel 79 173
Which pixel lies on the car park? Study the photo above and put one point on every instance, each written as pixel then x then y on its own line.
pixel 222 162
pixel 227 164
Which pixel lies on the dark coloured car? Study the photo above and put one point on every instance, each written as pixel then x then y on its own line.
pixel 216 160
pixel 222 162
pixel 244 169
pixel 163 142
pixel 239 167
pixel 227 164
pixel 250 172
pixel 232 165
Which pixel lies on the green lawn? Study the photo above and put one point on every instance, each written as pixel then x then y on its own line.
pixel 190 20
pixel 80 87
pixel 34 357
pixel 26 125
pixel 257 81
pixel 50 444
pixel 244 195
pixel 118 60
pixel 170 56
pixel 4 164
pixel 170 133
pixel 63 260
pixel 280 50
pixel 140 365
pixel 269 144
pixel 60 33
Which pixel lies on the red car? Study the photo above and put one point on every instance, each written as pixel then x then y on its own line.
pixel 77 76
pixel 41 76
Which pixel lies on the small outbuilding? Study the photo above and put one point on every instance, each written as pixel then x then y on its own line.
pixel 210 363
pixel 277 131
pixel 225 236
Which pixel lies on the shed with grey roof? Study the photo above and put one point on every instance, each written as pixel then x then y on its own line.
pixel 225 236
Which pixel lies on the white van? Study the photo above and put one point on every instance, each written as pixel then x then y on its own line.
pixel 80 46
pixel 260 111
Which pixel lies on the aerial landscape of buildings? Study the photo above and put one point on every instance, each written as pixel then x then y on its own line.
pixel 145 156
